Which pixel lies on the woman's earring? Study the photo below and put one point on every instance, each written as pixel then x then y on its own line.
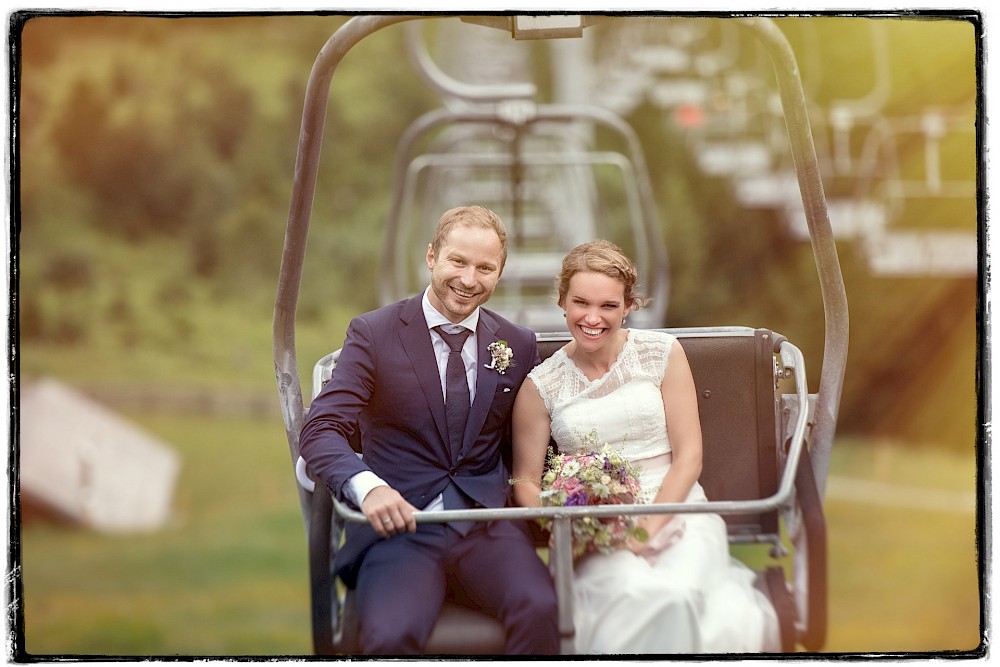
pixel 623 321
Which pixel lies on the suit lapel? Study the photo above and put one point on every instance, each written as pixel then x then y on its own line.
pixel 486 380
pixel 416 342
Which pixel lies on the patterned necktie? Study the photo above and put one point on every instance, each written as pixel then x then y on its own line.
pixel 456 402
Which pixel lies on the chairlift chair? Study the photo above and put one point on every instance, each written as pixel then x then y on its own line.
pixel 553 208
pixel 767 440
pixel 539 167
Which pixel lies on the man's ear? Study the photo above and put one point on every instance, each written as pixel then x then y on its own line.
pixel 430 256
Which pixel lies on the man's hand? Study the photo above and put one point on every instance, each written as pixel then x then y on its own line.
pixel 388 512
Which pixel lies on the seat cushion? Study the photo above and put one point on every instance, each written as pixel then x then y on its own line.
pixel 464 631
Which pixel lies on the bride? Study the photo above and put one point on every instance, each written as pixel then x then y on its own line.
pixel 679 591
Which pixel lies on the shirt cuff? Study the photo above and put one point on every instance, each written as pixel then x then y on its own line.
pixel 361 484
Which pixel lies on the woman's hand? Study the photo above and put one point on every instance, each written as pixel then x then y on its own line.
pixel 525 493
pixel 651 524
pixel 664 531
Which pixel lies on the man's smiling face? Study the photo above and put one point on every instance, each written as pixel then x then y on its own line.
pixel 465 271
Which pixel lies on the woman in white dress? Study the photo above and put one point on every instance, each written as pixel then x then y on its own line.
pixel 680 591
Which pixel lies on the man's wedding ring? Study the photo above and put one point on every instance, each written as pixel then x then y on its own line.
pixel 387 521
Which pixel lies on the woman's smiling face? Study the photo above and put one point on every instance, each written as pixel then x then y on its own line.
pixel 595 308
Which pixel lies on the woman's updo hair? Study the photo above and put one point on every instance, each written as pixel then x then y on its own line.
pixel 601 257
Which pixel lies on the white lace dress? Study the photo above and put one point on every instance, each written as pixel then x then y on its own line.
pixel 695 598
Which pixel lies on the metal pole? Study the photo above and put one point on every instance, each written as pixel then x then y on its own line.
pixel 562 553
pixel 821 235
pixel 303 191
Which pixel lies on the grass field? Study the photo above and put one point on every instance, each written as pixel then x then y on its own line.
pixel 228 576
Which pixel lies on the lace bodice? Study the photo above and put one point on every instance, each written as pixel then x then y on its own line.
pixel 625 407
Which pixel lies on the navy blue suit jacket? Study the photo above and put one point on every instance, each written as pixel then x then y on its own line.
pixel 387 385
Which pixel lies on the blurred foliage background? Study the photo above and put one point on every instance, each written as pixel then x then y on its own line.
pixel 155 157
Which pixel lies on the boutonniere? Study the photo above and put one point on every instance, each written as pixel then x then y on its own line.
pixel 501 356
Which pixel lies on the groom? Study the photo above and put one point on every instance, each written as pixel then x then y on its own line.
pixel 427 383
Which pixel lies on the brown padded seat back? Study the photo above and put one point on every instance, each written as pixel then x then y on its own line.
pixel 733 372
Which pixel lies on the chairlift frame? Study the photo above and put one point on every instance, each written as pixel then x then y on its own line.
pixel 816 413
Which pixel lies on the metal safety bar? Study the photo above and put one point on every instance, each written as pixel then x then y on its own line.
pixel 783 497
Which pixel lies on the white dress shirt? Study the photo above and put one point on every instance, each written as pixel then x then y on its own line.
pixel 361 484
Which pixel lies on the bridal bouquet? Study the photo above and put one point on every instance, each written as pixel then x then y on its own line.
pixel 601 476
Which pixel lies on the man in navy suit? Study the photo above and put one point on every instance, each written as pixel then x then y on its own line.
pixel 392 383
